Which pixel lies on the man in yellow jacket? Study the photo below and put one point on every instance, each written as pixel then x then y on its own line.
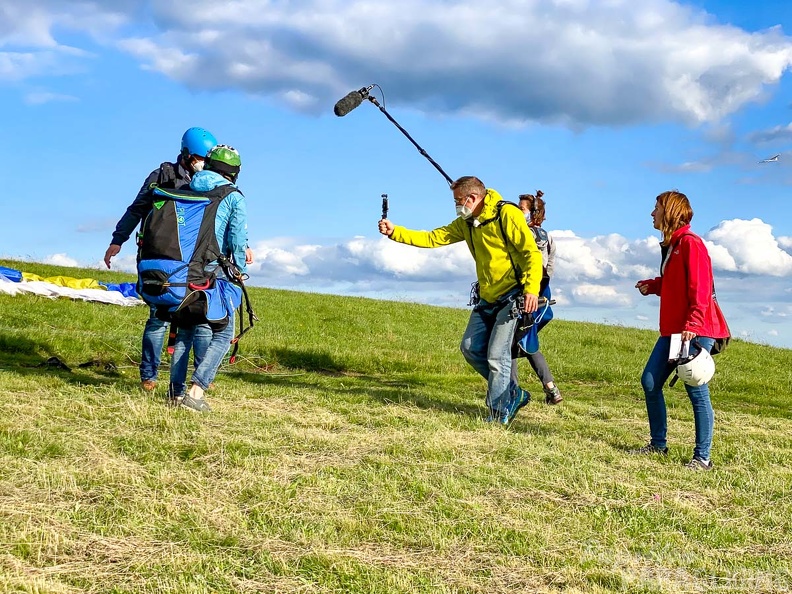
pixel 509 270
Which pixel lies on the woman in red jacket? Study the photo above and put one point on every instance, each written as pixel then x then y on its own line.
pixel 687 307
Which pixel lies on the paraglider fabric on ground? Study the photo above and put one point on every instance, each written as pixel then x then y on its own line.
pixel 15 282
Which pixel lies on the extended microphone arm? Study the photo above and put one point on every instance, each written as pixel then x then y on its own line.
pixel 410 138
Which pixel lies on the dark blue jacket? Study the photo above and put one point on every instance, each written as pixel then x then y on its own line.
pixel 143 202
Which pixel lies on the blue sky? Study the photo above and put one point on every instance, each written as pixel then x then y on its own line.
pixel 602 105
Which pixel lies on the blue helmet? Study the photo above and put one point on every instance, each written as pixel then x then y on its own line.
pixel 197 141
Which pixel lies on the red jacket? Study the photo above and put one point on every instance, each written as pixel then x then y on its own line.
pixel 687 294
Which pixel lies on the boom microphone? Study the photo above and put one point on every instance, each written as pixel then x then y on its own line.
pixel 355 98
pixel 351 101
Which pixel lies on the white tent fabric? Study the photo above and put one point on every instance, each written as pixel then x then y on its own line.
pixel 54 291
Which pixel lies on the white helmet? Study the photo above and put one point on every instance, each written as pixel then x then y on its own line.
pixel 697 370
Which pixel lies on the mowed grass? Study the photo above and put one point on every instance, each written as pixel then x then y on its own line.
pixel 347 453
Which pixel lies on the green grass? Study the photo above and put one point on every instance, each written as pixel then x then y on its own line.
pixel 347 453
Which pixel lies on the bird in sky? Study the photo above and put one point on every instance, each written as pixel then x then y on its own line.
pixel 772 159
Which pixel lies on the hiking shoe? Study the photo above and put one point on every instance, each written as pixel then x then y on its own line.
pixel 649 449
pixel 699 464
pixel 521 398
pixel 148 385
pixel 497 418
pixel 195 404
pixel 552 395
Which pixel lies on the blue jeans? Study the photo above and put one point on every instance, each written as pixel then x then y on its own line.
pixel 153 339
pixel 487 344
pixel 198 338
pixel 205 370
pixel 655 374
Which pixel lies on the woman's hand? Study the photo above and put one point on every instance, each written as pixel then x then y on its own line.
pixel 687 335
pixel 643 287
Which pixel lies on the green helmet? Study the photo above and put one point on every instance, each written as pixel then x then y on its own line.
pixel 224 159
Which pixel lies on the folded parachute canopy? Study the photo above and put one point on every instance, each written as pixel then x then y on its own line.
pixel 11 274
pixel 65 281
pixel 13 282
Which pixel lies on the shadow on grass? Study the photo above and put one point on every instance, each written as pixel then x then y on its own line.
pixel 316 361
pixel 404 389
pixel 385 389
pixel 32 358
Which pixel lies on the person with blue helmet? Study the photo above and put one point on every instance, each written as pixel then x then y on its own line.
pixel 195 145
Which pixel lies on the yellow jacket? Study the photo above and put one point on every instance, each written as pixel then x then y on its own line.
pixel 491 251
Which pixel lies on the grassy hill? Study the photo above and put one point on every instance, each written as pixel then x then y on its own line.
pixel 347 453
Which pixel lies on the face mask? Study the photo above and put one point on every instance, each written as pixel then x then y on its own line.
pixel 197 165
pixel 463 210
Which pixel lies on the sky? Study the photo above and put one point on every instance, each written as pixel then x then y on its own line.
pixel 602 105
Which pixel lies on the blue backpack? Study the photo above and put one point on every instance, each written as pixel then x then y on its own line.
pixel 176 251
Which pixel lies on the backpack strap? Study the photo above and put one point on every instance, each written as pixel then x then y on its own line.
pixel 507 243
pixel 235 276
pixel 217 194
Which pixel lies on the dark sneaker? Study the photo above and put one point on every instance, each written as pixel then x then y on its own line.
pixel 175 400
pixel 552 395
pixel 148 385
pixel 699 464
pixel 649 449
pixel 195 404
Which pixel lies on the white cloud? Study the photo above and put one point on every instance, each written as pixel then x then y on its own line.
pixel 29 47
pixel 749 248
pixel 604 257
pixel 576 63
pixel 599 295
pixel 725 157
pixel 61 260
pixel 594 283
pixel 16 66
pixel 775 134
pixel 42 97
pixel 603 63
pixel 611 262
pixel 359 258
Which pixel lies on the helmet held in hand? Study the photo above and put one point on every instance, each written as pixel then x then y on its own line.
pixel 696 370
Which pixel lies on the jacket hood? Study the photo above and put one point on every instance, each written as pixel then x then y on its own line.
pixel 203 181
pixel 490 210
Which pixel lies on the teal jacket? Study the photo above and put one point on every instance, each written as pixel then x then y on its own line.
pixel 231 220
